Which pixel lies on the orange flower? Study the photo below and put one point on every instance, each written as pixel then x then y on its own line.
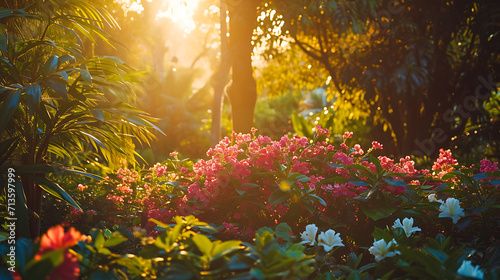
pixel 56 239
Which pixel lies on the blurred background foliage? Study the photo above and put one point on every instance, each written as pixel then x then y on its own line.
pixel 391 71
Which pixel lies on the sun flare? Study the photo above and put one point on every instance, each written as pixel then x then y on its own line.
pixel 180 12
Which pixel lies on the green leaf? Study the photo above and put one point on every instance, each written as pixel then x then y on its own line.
pixel 98 239
pixel 335 165
pixel 83 173
pixel 85 74
pixel 441 187
pixel 203 243
pixel 494 182
pixel 33 97
pixel 55 190
pixel 3 236
pixel 240 192
pixel 440 255
pixel 283 231
pixel 24 252
pixel 58 85
pixel 249 185
pixel 114 240
pixel 159 223
pixel 50 65
pixel 278 197
pixel 368 266
pixel 397 183
pixel 98 114
pixel 378 213
pixel 225 248
pixel 316 198
pixel 94 139
pixel 375 161
pixel 479 176
pixel 9 106
pixel 41 268
pixel 7 147
pixel 359 183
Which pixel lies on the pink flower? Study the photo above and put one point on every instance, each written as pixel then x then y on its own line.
pixel 82 187
pixel 377 146
pixel 487 166
pixel 444 161
pixel 347 135
pixel 358 150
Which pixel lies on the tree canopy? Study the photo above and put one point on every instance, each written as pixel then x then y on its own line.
pixel 426 67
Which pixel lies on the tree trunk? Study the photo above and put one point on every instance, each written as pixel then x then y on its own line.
pixel 243 90
pixel 220 78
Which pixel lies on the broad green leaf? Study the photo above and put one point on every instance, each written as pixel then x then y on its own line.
pixel 397 183
pixel 50 65
pixel 55 190
pixel 375 161
pixel 3 236
pixel 278 197
pixel 359 183
pixel 441 187
pixel 24 252
pixel 9 106
pixel 41 268
pixel 58 85
pixel 479 176
pixel 335 165
pixel 377 213
pixel 224 248
pixel 114 240
pixel 249 185
pixel 204 244
pixel 7 147
pixel 494 182
pixel 33 97
pixel 83 173
pixel 98 114
pixel 159 223
pixel 283 231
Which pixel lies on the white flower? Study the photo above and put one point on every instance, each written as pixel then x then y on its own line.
pixel 432 198
pixel 382 250
pixel 451 208
pixel 407 226
pixel 469 270
pixel 309 235
pixel 329 240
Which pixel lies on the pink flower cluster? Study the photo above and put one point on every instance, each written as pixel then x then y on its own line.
pixel 487 166
pixel 159 169
pixel 444 163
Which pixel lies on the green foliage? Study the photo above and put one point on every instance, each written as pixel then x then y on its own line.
pixel 444 72
pixel 57 101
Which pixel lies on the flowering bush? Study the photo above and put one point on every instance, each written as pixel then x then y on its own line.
pixel 376 217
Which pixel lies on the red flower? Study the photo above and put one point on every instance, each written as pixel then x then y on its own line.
pixel 56 239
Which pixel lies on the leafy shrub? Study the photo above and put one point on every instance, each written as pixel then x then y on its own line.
pixel 377 217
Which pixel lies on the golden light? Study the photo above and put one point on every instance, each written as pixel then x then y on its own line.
pixel 180 12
